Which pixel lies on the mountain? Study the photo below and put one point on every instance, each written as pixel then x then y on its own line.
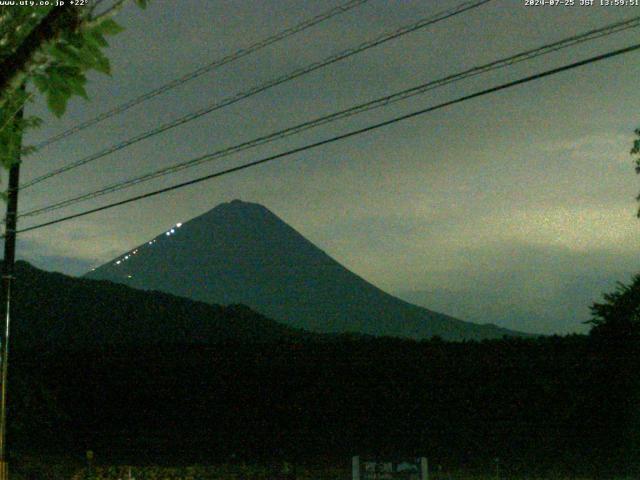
pixel 242 253
pixel 493 305
pixel 55 310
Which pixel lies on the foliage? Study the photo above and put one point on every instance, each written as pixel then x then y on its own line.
pixel 71 56
pixel 57 67
pixel 636 151
pixel 618 317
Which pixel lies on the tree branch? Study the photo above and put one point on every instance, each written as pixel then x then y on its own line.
pixel 14 68
pixel 110 12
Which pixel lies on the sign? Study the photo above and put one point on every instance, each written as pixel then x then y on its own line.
pixel 416 469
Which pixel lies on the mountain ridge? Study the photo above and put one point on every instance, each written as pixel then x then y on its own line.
pixel 53 310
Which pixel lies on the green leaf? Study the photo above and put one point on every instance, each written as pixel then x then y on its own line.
pixel 58 84
pixel 64 71
pixel 90 54
pixel 74 38
pixel 28 150
pixel 57 102
pixel 102 65
pixel 95 39
pixel 76 84
pixel 41 83
pixel 142 3
pixel 67 54
pixel 108 27
pixel 32 122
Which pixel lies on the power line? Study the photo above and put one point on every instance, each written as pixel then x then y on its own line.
pixel 205 69
pixel 263 87
pixel 343 136
pixel 377 103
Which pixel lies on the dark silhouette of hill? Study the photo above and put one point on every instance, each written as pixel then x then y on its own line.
pixel 66 312
pixel 242 253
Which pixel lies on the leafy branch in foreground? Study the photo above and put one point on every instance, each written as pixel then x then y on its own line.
pixel 50 48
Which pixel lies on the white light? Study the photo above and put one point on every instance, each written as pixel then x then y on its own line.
pixel 168 233
pixel 128 276
pixel 173 230
pixel 118 262
pixel 126 257
pixel 150 243
pixel 178 225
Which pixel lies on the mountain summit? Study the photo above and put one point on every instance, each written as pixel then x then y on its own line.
pixel 241 252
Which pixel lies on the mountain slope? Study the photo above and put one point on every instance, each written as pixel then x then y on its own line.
pixel 51 309
pixel 241 252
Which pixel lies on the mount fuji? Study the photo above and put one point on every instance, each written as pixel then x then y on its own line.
pixel 242 253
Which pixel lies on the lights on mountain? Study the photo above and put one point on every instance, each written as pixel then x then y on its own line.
pixel 168 233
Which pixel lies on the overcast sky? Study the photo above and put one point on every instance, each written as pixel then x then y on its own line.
pixel 515 208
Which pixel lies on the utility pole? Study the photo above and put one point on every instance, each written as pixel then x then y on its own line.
pixel 7 280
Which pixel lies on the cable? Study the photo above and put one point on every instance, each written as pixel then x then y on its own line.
pixel 260 88
pixel 205 69
pixel 263 87
pixel 343 136
pixel 377 103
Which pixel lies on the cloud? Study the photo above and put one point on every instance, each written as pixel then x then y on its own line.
pixel 67 265
pixel 541 289
pixel 72 254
